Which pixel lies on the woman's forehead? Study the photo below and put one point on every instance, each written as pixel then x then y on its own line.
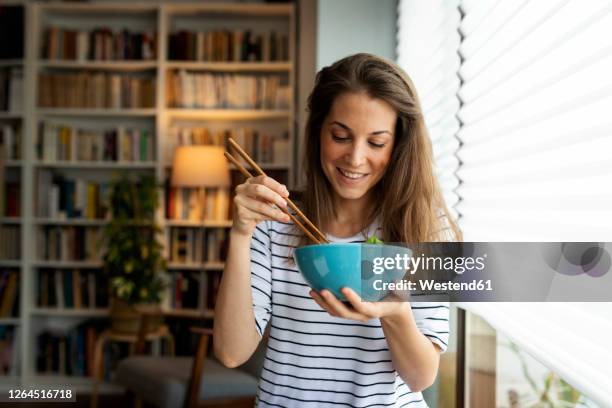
pixel 361 112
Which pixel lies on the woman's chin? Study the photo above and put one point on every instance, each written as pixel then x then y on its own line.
pixel 350 193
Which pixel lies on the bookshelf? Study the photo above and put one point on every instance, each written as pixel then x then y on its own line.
pixel 269 122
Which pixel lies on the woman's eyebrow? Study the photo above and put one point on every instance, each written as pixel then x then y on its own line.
pixel 378 132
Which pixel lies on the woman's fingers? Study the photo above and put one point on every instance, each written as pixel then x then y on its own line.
pixel 321 302
pixel 252 209
pixel 272 184
pixel 264 193
pixel 339 309
pixel 364 308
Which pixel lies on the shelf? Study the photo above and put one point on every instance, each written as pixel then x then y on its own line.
pixel 101 7
pixel 13 163
pixel 227 114
pixel 100 65
pixel 9 321
pixel 205 266
pixel 231 66
pixel 10 115
pixel 42 311
pixel 193 313
pixel 70 221
pixel 264 166
pixel 96 165
pixel 68 264
pixel 99 112
pixel 248 10
pixel 10 263
pixel 10 220
pixel 199 224
pixel 11 62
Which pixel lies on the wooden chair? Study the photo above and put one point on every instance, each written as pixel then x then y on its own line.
pixel 199 381
pixel 136 343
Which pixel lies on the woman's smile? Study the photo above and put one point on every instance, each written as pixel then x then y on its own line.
pixel 351 177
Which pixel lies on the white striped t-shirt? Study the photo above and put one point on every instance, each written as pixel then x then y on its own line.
pixel 314 359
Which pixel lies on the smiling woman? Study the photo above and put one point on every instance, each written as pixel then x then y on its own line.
pixel 368 172
pixel 354 158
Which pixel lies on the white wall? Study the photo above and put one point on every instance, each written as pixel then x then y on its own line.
pixel 346 27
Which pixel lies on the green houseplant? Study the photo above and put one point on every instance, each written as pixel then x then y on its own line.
pixel 133 255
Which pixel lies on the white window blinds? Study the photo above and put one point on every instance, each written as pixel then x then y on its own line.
pixel 535 115
pixel 537 129
pixel 428 40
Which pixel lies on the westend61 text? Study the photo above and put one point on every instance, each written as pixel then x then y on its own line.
pixel 432 285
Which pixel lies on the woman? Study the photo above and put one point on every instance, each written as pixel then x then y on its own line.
pixel 368 166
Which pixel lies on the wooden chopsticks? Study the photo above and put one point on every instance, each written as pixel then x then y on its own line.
pixel 316 235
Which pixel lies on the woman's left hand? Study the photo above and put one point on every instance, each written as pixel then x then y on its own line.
pixel 361 311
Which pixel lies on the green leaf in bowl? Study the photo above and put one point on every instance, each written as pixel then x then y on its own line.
pixel 374 240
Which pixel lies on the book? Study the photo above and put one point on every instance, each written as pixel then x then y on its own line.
pixel 9 293
pixel 232 91
pixel 97 44
pixel 95 90
pixel 224 45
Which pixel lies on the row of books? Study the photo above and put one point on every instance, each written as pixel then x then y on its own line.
pixel 95 90
pixel 71 352
pixel 10 242
pixel 196 245
pixel 60 243
pixel 262 146
pixel 184 290
pixel 10 139
pixel 217 91
pixel 9 292
pixel 210 204
pixel 11 199
pixel 9 348
pixel 58 142
pixel 11 26
pixel 193 291
pixel 226 45
pixel 98 44
pixel 72 289
pixel 11 89
pixel 59 197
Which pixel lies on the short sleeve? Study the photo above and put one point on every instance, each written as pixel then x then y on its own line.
pixel 432 320
pixel 261 276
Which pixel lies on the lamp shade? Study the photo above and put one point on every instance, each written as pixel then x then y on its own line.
pixel 200 166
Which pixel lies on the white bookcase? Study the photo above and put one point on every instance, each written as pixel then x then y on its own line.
pixel 164 19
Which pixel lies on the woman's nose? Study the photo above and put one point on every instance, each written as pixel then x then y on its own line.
pixel 356 156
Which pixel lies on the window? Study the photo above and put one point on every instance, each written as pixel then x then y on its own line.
pixel 528 89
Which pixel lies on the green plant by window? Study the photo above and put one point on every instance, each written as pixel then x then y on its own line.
pixel 133 257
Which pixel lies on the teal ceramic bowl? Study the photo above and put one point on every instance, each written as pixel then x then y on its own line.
pixel 338 265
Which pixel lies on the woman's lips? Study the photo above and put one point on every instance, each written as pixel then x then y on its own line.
pixel 350 178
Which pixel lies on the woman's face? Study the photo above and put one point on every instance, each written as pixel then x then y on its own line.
pixel 356 143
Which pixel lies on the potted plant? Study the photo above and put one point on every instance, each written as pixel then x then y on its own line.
pixel 133 255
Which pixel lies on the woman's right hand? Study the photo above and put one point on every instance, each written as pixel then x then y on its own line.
pixel 254 202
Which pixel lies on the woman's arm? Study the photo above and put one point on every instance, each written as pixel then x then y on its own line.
pixel 235 336
pixel 414 356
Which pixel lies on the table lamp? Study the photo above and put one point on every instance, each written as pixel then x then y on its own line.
pixel 200 167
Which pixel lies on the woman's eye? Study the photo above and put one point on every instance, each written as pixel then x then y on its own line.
pixel 339 138
pixel 377 145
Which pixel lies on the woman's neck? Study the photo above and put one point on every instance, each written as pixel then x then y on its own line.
pixel 351 215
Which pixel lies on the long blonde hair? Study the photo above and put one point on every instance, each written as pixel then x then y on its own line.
pixel 410 205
